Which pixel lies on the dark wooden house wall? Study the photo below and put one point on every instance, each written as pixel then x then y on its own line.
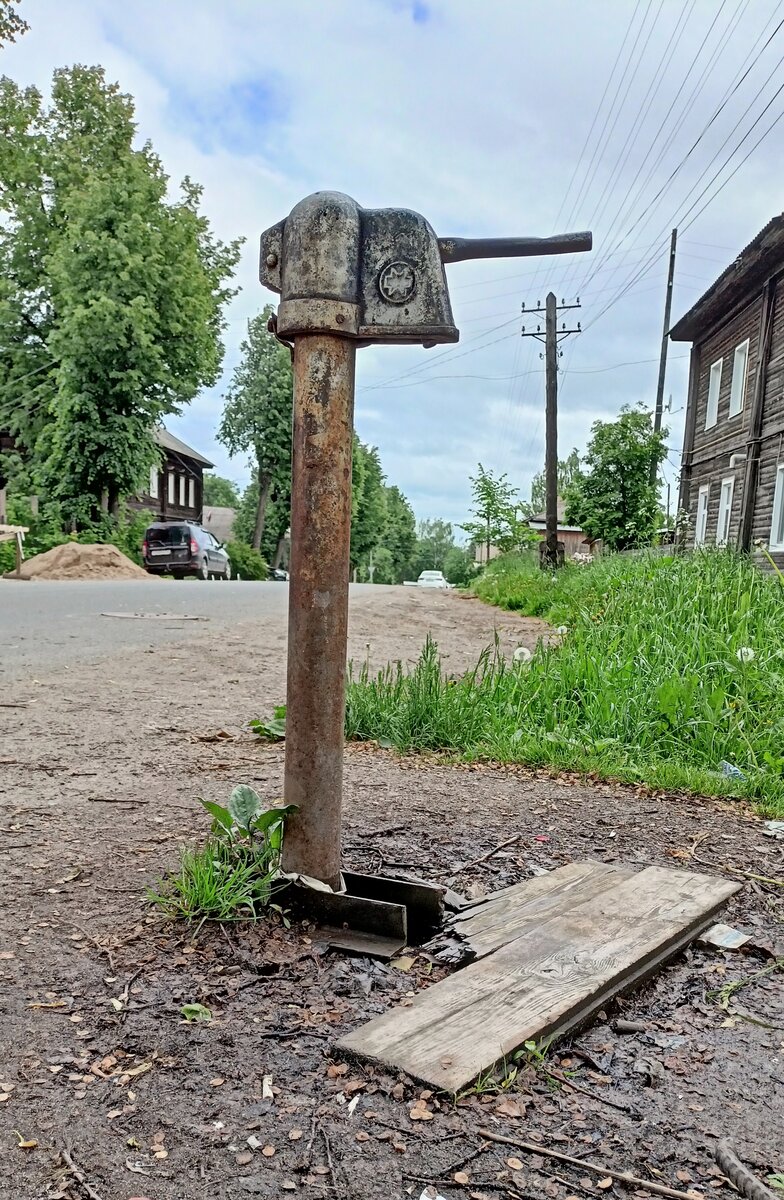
pixel 160 504
pixel 707 459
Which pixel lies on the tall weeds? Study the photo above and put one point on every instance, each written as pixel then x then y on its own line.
pixel 669 668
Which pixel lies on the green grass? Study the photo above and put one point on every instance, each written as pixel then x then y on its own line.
pixel 218 881
pixel 647 684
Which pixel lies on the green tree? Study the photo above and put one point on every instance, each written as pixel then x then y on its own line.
pixel 500 519
pixel 111 295
pixel 613 497
pixel 276 521
pixel 257 416
pixel 568 470
pixel 369 511
pixel 459 566
pixel 399 536
pixel 11 24
pixel 220 492
pixel 435 539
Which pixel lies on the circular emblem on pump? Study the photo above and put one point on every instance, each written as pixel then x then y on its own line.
pixel 397 282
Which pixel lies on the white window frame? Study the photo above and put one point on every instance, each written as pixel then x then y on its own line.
pixel 714 386
pixel 154 476
pixel 191 492
pixel 701 521
pixel 725 510
pixel 777 521
pixel 183 490
pixel 171 487
pixel 739 377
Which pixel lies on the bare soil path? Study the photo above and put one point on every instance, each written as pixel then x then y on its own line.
pixel 99 772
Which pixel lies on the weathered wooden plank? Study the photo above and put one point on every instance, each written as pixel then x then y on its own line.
pixel 551 978
pixel 508 914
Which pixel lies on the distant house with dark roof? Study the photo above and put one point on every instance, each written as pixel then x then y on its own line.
pixel 176 484
pixel 572 537
pixel 732 475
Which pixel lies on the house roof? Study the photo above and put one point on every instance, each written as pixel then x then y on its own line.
pixel 167 441
pixel 219 521
pixel 539 520
pixel 755 263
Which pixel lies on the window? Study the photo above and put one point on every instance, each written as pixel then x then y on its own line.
pixel 777 525
pixel 183 482
pixel 171 484
pixel 191 493
pixel 154 482
pixel 725 511
pixel 702 515
pixel 739 372
pixel 712 412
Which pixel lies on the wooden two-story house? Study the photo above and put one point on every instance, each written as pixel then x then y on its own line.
pixel 732 474
pixel 176 484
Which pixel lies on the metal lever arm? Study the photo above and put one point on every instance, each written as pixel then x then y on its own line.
pixel 460 249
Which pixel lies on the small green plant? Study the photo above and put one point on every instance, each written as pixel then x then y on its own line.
pixel 195 1012
pixel 777 1182
pixel 534 1054
pixel 234 874
pixel 491 1082
pixel 274 730
pixel 725 993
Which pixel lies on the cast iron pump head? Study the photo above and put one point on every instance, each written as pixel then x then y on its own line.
pixel 377 274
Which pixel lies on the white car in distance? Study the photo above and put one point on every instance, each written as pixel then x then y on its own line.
pixel 429 579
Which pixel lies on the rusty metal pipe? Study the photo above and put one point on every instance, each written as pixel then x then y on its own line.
pixel 461 249
pixel 318 602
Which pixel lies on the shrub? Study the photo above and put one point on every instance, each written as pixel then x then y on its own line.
pixel 246 562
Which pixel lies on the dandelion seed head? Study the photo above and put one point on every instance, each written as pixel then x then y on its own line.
pixel 745 654
pixel 522 655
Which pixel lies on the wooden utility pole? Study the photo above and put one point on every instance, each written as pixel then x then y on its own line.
pixel 552 336
pixel 657 412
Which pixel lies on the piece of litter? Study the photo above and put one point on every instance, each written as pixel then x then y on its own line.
pixel 142 616
pixel 430 1193
pixel 266 1088
pixel 352 1105
pixel 730 771
pixel 254 1142
pixel 773 829
pixel 724 937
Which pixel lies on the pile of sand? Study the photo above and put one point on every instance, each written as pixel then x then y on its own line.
pixel 74 561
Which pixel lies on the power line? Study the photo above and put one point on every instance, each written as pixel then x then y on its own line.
pixel 712 180
pixel 694 145
pixel 625 207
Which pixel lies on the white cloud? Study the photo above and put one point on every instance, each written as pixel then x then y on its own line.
pixel 474 115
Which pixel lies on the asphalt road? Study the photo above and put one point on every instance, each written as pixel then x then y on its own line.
pixel 58 624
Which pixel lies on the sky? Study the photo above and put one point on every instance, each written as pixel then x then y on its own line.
pixel 509 117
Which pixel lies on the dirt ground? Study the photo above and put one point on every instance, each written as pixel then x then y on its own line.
pixel 113 1095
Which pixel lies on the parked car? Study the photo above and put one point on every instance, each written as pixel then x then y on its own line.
pixel 181 548
pixel 432 579
pixel 278 575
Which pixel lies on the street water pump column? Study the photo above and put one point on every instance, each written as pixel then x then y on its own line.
pixel 347 277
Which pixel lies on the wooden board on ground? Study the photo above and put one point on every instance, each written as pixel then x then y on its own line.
pixel 506 915
pixel 553 976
